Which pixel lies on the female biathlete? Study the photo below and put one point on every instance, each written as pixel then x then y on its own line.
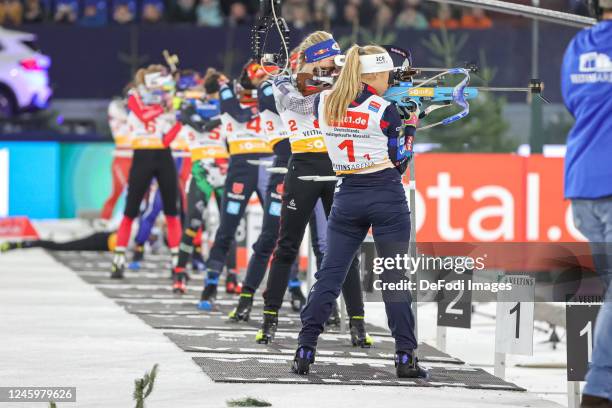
pixel 242 127
pixel 370 143
pixel 209 160
pixel 153 127
pixel 278 138
pixel 187 83
pixel 309 158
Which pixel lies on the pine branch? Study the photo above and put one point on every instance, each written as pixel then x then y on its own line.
pixel 143 387
pixel 248 402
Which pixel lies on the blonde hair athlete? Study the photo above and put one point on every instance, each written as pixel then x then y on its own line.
pixel 366 148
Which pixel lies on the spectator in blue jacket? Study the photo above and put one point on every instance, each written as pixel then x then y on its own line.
pixel 587 86
pixel 95 13
pixel 124 11
pixel 209 14
pixel 152 11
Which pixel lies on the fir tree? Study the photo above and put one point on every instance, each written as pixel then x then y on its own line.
pixel 484 128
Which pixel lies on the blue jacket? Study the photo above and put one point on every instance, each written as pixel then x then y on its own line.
pixel 586 84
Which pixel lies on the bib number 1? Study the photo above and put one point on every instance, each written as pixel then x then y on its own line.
pixel 350 149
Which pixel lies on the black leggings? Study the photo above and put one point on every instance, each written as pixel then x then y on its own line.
pixel 299 200
pixel 148 164
pixel 95 242
pixel 263 247
pixel 197 201
pixel 243 179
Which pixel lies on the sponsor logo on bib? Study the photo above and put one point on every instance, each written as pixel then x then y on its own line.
pixel 354 120
pixel 374 106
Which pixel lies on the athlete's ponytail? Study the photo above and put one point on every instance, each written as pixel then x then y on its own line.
pixel 347 87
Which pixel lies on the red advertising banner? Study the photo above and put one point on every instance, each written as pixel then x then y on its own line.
pixel 17 227
pixel 491 198
pixel 506 208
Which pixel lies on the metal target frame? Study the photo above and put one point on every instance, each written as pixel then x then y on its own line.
pixel 532 12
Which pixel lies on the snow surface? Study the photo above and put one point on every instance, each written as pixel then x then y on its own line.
pixel 59 331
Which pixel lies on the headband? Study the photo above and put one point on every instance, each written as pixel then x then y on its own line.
pixel 322 50
pixel 373 63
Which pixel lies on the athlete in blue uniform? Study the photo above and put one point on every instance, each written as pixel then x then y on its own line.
pixel 242 128
pixel 369 142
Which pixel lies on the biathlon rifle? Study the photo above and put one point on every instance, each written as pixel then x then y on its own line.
pixel 427 95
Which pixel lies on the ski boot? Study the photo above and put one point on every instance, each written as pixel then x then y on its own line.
pixel 304 357
pixel 118 265
pixel 179 281
pixel 197 261
pixel 243 310
pixel 231 282
pixel 407 365
pixel 297 297
pixel 359 336
pixel 9 246
pixel 209 294
pixel 265 335
pixel 137 258
pixel 334 318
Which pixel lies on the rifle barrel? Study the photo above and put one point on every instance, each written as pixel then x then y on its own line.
pixel 502 89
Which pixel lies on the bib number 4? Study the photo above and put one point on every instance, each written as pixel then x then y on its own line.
pixel 254 125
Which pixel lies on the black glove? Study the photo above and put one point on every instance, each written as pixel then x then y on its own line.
pixel 211 83
pixel 212 124
pixel 189 116
pixel 405 112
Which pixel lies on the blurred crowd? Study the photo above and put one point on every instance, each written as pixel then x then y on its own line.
pixel 415 14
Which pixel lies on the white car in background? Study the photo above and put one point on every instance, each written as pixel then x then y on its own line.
pixel 24 74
